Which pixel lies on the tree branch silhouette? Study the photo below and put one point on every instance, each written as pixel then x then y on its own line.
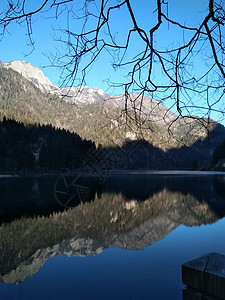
pixel 169 75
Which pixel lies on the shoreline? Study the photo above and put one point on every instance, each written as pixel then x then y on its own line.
pixel 108 173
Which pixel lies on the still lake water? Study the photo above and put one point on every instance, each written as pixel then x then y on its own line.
pixel 117 237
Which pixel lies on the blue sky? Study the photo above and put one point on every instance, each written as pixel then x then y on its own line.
pixel 14 44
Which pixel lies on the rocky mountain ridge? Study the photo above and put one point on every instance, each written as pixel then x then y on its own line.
pixel 153 111
pixel 32 73
pixel 27 96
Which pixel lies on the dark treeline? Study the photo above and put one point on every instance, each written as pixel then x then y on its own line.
pixel 219 153
pixel 44 148
pixel 39 147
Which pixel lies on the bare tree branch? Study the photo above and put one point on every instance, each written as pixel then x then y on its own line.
pixel 169 74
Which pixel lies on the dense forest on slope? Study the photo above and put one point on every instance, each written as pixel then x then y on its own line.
pixel 32 147
pixel 22 101
pixel 46 148
pixel 219 153
pixel 122 144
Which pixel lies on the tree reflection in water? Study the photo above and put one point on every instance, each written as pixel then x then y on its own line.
pixel 129 212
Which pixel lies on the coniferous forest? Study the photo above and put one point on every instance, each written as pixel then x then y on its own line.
pixel 35 147
pixel 44 148
pixel 41 132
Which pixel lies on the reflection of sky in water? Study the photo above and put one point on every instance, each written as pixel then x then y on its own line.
pixel 151 273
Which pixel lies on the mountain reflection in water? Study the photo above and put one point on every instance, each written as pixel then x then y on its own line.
pixel 129 212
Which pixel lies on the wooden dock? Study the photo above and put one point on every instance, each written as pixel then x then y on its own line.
pixel 204 277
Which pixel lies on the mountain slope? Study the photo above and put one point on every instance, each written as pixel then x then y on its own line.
pixel 31 73
pixel 154 111
pixel 22 100
pixel 100 117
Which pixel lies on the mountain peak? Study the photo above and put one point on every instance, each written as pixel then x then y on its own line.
pixel 151 110
pixel 32 73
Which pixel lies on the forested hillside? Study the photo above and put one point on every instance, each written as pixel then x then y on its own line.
pixel 45 132
pixel 22 101
pixel 35 147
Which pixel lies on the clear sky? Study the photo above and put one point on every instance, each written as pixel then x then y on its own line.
pixel 13 46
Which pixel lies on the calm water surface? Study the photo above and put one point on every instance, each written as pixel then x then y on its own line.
pixel 117 237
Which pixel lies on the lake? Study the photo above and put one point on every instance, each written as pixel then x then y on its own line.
pixel 110 236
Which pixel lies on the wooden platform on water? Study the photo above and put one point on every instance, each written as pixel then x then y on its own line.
pixel 204 277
